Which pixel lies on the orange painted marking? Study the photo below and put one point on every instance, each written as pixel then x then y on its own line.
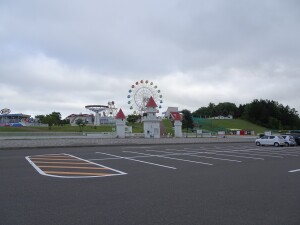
pixel 77 173
pixel 75 167
pixel 65 166
pixel 67 159
pixel 86 163
pixel 53 156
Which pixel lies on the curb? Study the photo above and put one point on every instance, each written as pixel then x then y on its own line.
pixel 35 143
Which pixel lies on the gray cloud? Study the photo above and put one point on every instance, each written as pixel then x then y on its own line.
pixel 64 54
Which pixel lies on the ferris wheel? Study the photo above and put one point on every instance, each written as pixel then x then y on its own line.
pixel 139 94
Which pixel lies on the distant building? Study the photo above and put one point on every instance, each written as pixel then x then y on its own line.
pixel 167 114
pixel 241 132
pixel 15 120
pixel 229 117
pixel 87 118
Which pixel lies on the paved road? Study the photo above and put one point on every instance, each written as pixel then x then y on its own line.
pixel 228 183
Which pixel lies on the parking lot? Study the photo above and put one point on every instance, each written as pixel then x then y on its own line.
pixel 232 183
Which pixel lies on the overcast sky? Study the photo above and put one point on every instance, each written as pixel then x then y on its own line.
pixel 60 55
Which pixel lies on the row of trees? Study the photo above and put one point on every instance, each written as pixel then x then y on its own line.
pixel 271 114
pixel 266 113
pixel 52 119
pixel 222 109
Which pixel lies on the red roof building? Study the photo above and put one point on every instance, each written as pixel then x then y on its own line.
pixel 176 116
pixel 151 103
pixel 120 115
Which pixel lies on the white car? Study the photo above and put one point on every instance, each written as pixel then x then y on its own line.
pixel 275 140
pixel 289 140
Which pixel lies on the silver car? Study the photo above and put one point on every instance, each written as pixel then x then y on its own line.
pixel 289 140
pixel 275 140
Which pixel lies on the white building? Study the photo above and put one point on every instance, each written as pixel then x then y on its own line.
pixel 167 114
pixel 87 118
pixel 177 118
pixel 120 124
pixel 151 121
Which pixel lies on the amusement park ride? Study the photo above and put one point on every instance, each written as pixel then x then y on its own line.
pixel 138 97
pixel 13 120
pixel 103 112
pixel 140 93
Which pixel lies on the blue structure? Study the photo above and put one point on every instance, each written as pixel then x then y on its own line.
pixel 14 120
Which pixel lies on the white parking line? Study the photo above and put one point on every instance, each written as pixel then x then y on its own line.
pixel 195 155
pixel 238 156
pixel 292 152
pixel 245 153
pixel 169 167
pixel 137 147
pixel 266 150
pixel 166 157
pixel 277 153
pixel 293 171
pixel 114 158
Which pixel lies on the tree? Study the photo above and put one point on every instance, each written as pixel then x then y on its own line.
pixel 80 124
pixel 64 122
pixel 57 118
pixel 133 118
pixel 239 112
pixel 202 112
pixel 271 114
pixel 50 120
pixel 40 118
pixel 187 121
pixel 226 109
pixel 212 110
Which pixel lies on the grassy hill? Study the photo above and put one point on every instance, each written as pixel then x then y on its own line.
pixel 215 125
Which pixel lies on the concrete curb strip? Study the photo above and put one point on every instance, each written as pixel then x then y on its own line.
pixel 35 142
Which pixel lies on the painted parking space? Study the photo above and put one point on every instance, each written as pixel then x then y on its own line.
pixel 69 166
pixel 178 157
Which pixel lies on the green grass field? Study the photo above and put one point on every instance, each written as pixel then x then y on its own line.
pixel 233 124
pixel 168 125
pixel 66 128
pixel 211 125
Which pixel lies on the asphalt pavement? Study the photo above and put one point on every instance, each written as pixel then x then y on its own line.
pixel 204 183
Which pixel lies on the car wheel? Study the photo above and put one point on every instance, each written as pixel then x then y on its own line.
pixel 287 144
pixel 276 144
pixel 258 143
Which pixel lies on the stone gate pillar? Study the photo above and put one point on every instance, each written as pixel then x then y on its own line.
pixel 120 124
